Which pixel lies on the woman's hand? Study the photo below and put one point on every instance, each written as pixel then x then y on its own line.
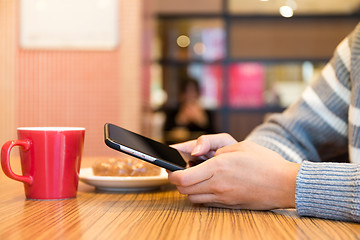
pixel 192 112
pixel 242 175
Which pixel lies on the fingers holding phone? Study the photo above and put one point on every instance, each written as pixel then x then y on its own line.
pixel 203 148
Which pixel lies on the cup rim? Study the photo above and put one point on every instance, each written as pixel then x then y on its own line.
pixel 52 128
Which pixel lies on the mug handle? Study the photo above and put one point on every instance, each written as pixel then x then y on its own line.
pixel 5 160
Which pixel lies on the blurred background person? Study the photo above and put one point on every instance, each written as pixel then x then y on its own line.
pixel 189 119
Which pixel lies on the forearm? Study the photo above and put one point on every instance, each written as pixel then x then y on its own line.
pixel 324 190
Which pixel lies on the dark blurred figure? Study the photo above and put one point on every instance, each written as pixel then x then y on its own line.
pixel 189 119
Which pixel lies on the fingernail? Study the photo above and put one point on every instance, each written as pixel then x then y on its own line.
pixel 196 150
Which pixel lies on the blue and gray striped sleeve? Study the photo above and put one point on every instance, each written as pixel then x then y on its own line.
pixel 328 190
pixel 322 132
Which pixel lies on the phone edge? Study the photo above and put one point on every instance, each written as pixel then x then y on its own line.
pixel 157 162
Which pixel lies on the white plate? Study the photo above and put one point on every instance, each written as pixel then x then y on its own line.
pixel 108 183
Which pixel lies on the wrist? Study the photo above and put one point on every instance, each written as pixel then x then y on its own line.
pixel 290 185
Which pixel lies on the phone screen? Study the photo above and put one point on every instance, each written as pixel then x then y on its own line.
pixel 133 141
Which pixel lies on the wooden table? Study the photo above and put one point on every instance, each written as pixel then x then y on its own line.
pixel 162 214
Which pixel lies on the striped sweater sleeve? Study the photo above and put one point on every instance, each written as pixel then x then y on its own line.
pixel 321 131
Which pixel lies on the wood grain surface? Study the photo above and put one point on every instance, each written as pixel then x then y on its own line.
pixel 160 214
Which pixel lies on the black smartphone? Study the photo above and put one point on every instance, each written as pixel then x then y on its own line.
pixel 144 148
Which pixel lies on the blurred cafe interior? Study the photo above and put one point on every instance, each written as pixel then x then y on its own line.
pixel 84 63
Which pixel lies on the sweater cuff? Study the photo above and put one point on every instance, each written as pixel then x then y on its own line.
pixel 328 190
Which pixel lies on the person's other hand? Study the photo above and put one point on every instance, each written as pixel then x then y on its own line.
pixel 243 175
pixel 196 114
pixel 192 113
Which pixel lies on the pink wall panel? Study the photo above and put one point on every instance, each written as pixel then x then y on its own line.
pixel 74 88
pixel 68 89
pixel 7 70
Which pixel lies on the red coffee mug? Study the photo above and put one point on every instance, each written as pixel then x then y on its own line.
pixel 50 161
